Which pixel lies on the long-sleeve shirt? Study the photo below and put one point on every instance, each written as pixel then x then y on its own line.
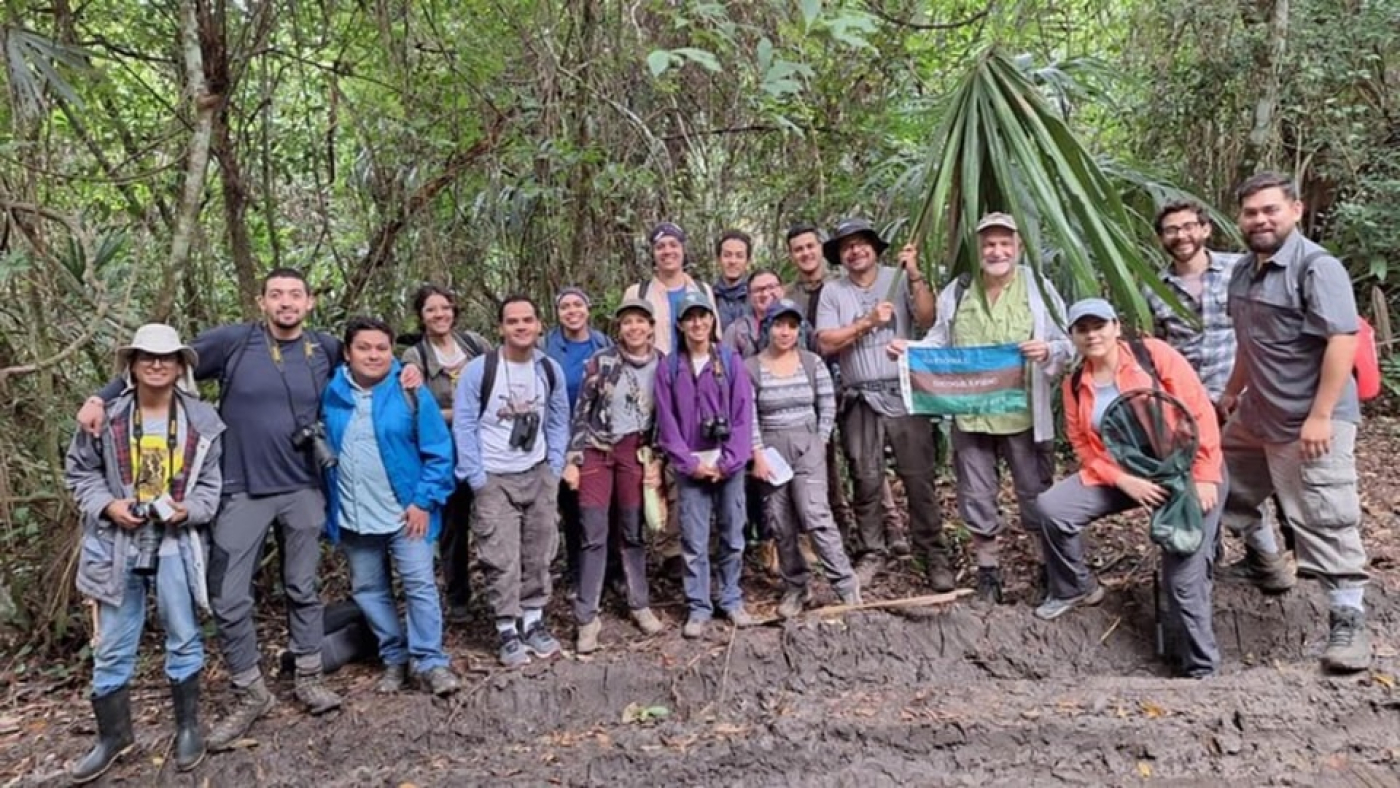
pixel 468 417
pixel 790 401
pixel 1096 466
pixel 685 401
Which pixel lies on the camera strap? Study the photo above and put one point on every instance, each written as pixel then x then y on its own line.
pixel 138 431
pixel 308 347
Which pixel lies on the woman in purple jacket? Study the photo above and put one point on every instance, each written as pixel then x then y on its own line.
pixel 704 423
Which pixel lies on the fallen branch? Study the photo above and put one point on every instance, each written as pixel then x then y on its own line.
pixel 886 604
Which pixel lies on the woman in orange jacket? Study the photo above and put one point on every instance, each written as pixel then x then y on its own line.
pixel 1102 487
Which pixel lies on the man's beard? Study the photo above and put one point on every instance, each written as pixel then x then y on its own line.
pixel 1181 252
pixel 1259 246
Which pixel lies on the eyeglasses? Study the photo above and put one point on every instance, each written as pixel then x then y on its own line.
pixel 157 358
pixel 766 288
pixel 1172 230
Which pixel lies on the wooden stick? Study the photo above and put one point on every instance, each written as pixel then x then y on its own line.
pixel 884 604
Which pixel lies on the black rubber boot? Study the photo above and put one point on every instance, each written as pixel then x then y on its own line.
pixel 189 742
pixel 114 739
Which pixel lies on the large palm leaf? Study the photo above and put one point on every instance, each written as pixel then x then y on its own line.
pixel 1002 147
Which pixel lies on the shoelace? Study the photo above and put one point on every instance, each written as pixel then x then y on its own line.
pixel 1341 634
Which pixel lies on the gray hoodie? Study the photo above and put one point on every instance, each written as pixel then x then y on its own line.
pixel 93 474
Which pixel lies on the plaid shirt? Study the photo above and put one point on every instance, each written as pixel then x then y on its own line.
pixel 1211 348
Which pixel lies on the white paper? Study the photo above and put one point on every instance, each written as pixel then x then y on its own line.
pixel 706 457
pixel 780 471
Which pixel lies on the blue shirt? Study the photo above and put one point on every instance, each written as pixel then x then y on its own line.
pixel 367 502
pixel 1104 395
pixel 675 295
pixel 572 355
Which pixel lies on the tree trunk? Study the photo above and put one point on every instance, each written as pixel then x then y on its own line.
pixel 202 106
pixel 1260 147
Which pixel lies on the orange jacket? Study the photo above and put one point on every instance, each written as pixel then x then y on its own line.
pixel 1177 378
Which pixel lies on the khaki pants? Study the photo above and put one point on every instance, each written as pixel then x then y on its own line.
pixel 1318 497
pixel 516 538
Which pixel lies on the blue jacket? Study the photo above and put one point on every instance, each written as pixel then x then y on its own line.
pixel 466 419
pixel 417 452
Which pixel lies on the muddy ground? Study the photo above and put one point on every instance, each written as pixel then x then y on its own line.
pixel 958 695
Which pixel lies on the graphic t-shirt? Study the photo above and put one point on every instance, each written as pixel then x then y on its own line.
pixel 518 391
pixel 155 463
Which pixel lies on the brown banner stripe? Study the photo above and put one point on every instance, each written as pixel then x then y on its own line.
pixel 982 382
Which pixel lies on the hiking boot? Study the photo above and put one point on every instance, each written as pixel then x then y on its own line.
pixel 867 567
pixel 588 636
pixel 647 621
pixel 393 679
pixel 694 628
pixel 1348 644
pixel 250 703
pixel 1052 609
pixel 312 691
pixel 440 681
pixel 512 653
pixel 851 597
pixel 988 588
pixel 539 642
pixel 114 739
pixel 1269 572
pixel 740 617
pixel 794 601
pixel 899 546
pixel 940 574
pixel 189 742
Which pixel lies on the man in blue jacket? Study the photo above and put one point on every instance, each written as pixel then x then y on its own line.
pixel 386 492
pixel 511 420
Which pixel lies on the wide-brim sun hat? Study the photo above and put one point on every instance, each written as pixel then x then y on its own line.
pixel 159 339
pixel 831 248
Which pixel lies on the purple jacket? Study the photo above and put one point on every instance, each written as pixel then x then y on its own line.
pixel 684 402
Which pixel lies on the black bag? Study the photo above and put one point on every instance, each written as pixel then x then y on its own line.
pixel 348 639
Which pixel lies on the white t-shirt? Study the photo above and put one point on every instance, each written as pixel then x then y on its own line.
pixel 518 390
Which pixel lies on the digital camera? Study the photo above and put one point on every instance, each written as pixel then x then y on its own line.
pixel 312 438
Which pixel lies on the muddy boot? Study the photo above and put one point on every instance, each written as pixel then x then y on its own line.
pixel 440 681
pixel 114 739
pixel 647 621
pixel 1348 644
pixel 189 742
pixel 988 590
pixel 851 597
pixel 588 636
pixel 940 573
pixel 867 567
pixel 392 680
pixel 794 601
pixel 250 704
pixel 312 691
pixel 1269 572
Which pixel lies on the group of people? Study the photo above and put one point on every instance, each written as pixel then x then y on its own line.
pixel 708 419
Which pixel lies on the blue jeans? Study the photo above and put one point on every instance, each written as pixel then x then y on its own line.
pixel 726 500
pixel 119 629
pixel 369 558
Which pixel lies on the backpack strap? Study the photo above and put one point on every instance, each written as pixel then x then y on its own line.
pixel 1304 268
pixel 643 288
pixel 232 366
pixel 488 378
pixel 960 288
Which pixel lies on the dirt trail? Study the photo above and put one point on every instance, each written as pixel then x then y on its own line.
pixel 958 697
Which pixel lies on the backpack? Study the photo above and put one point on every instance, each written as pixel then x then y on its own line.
pixel 488 379
pixel 1367 367
pixel 1140 352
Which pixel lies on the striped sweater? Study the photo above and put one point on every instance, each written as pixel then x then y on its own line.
pixel 788 401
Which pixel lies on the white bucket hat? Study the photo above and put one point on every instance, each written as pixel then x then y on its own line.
pixel 158 339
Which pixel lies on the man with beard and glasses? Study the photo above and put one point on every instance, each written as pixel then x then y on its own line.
pixel 271 375
pixel 1200 278
pixel 1295 433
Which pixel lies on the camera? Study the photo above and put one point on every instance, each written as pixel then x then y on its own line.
pixel 312 438
pixel 715 429
pixel 524 429
pixel 154 514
